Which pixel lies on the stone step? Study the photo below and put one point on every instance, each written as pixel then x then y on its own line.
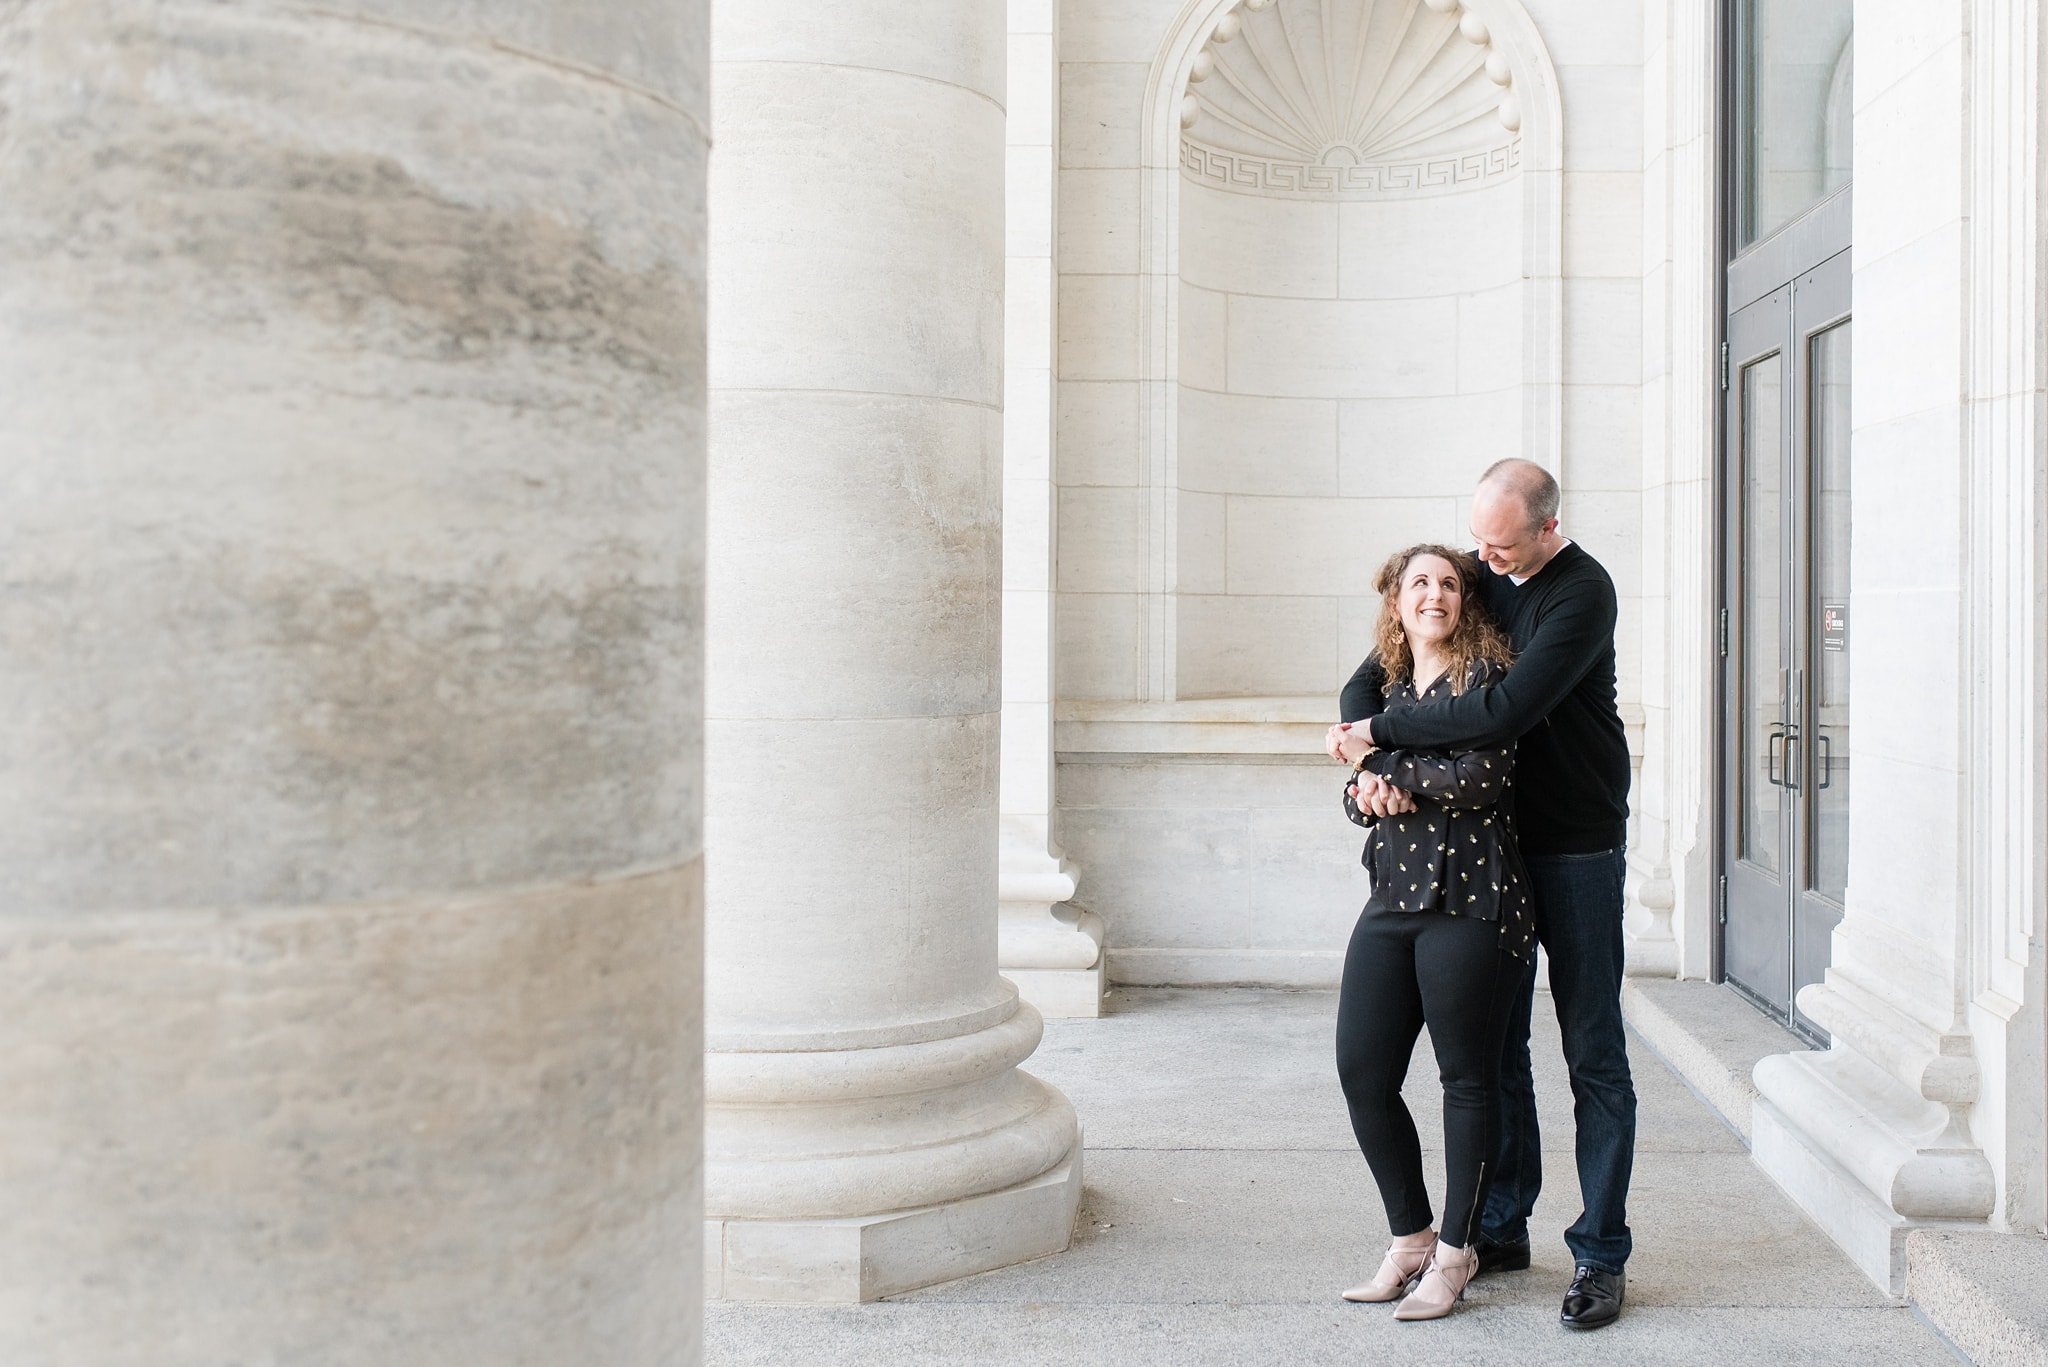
pixel 1709 1037
pixel 1987 1291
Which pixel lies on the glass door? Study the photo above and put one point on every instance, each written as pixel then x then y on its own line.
pixel 1756 944
pixel 1786 749
pixel 1821 323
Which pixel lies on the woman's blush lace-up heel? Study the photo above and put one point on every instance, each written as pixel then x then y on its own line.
pixel 1442 1285
pixel 1406 1258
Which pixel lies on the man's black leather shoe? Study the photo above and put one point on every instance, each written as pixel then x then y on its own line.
pixel 1594 1299
pixel 1495 1256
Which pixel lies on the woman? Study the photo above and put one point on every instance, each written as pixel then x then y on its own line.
pixel 1439 941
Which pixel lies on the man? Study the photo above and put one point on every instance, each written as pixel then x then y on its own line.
pixel 1557 606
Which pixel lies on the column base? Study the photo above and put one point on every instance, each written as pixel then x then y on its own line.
pixel 1871 1233
pixel 1649 956
pixel 1061 993
pixel 1049 948
pixel 1866 1137
pixel 867 1257
pixel 1651 950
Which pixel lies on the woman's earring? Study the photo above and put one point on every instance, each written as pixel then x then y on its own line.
pixel 1399 631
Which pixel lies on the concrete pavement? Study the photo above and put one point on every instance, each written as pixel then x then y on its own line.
pixel 1226 1204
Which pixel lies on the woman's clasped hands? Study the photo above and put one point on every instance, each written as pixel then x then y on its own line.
pixel 1372 793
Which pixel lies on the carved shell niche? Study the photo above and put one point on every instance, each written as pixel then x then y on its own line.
pixel 1349 98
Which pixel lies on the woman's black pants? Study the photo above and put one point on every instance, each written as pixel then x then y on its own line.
pixel 1405 970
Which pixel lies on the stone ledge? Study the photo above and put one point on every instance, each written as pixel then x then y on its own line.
pixel 1985 1290
pixel 1203 967
pixel 1292 726
pixel 1277 725
pixel 1710 1037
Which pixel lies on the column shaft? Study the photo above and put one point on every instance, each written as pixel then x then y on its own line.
pixel 350 645
pixel 863 1047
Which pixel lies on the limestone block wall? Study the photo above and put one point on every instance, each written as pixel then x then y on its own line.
pixel 1242 871
pixel 1218 523
pixel 350 648
pixel 1347 368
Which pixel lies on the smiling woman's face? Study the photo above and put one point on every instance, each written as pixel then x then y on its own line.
pixel 1431 598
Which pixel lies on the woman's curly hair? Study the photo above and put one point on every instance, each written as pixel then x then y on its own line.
pixel 1475 638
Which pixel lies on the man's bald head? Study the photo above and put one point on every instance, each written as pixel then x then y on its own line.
pixel 1514 518
pixel 1528 483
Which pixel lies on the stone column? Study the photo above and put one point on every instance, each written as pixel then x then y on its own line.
pixel 1052 952
pixel 2006 861
pixel 350 547
pixel 868 1129
pixel 1875 1134
pixel 1670 920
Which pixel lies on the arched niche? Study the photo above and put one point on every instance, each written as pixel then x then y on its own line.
pixel 1351 307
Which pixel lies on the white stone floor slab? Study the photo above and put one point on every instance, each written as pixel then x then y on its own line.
pixel 1226 1204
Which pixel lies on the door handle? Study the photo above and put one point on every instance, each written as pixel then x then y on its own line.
pixel 1827 761
pixel 1771 741
pixel 1795 712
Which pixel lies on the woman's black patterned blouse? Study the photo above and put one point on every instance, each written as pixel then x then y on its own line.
pixel 1456 852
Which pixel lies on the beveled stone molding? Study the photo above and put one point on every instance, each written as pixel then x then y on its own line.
pixel 1869 1231
pixel 1910 1153
pixel 1935 1064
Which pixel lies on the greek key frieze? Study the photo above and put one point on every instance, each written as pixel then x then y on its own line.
pixel 1380 180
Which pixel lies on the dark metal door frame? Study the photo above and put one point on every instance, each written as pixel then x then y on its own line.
pixel 1809 257
pixel 1755 954
pixel 1781 925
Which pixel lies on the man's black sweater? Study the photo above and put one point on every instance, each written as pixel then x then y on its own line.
pixel 1571 766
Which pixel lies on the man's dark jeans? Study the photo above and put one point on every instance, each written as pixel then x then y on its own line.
pixel 1578 919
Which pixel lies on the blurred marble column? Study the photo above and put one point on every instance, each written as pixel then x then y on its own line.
pixel 868 1129
pixel 350 651
pixel 1051 951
